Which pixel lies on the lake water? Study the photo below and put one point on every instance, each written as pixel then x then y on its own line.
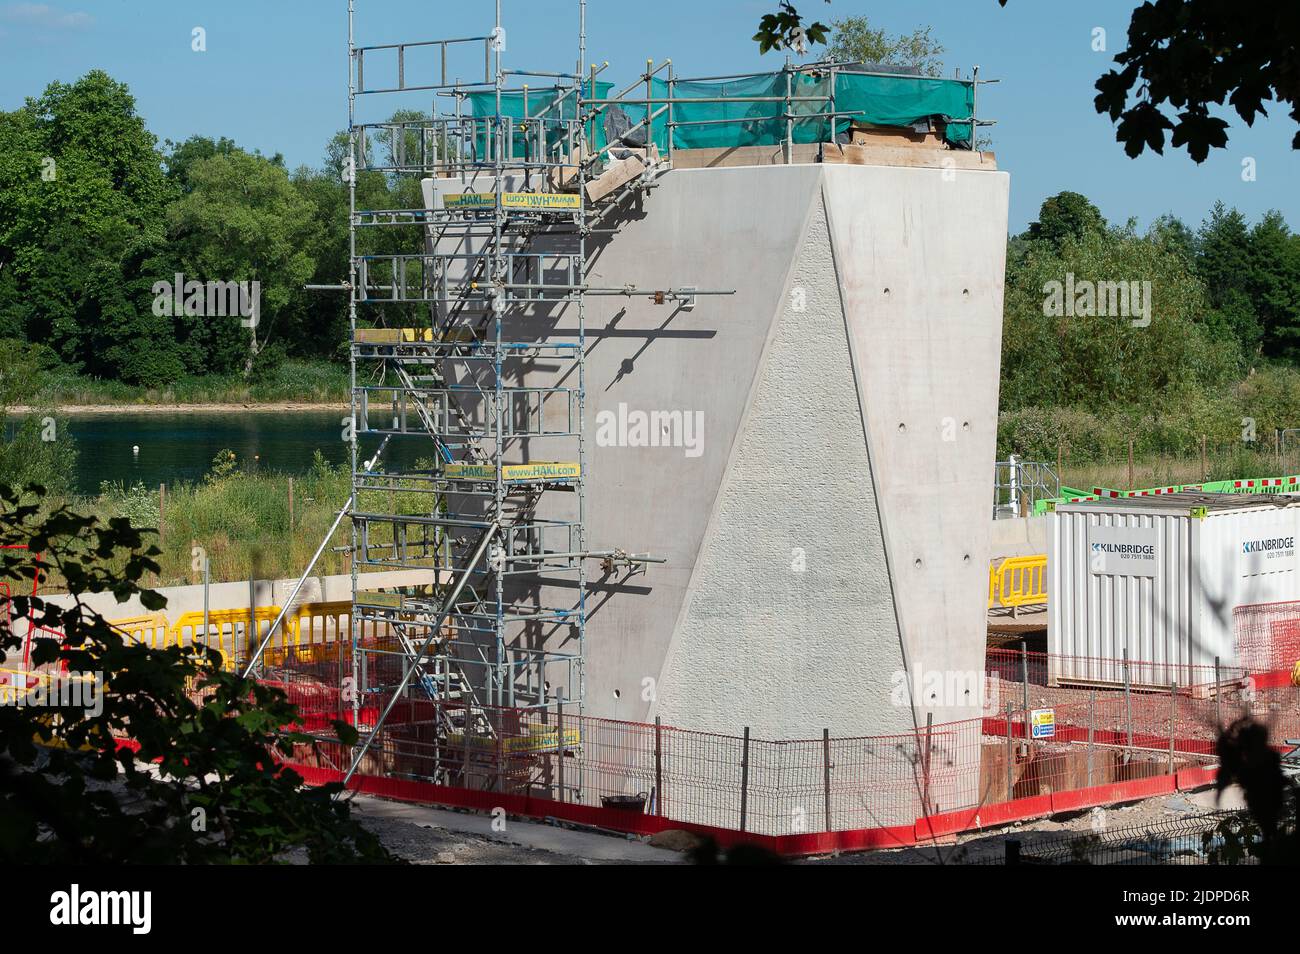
pixel 180 447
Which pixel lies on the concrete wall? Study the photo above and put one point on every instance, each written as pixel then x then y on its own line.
pixel 848 392
pixel 189 599
pixel 1018 536
pixel 790 605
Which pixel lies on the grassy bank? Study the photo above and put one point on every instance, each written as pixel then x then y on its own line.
pixel 316 382
pixel 242 522
pixel 1160 470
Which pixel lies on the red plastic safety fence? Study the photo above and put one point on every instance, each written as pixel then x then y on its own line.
pixel 1042 745
pixel 1267 636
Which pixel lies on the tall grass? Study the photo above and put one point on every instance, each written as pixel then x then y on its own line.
pixel 240 521
pixel 1240 461
pixel 293 380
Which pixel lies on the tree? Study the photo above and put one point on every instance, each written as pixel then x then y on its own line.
pixel 1103 361
pixel 241 221
pixel 1065 215
pixel 785 30
pixel 37 448
pixel 1223 263
pixel 1187 55
pixel 81 198
pixel 853 40
pixel 182 156
pixel 199 782
pixel 1274 284
pixel 1172 234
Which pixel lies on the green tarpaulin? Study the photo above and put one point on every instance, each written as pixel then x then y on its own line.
pixel 880 100
pixel 540 103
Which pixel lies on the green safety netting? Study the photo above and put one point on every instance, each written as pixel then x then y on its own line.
pixel 541 102
pixel 880 100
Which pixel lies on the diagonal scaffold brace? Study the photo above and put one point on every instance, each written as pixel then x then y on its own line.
pixel 255 661
pixel 447 606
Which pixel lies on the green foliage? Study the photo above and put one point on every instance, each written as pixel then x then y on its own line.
pixel 294 379
pixel 36 448
pixel 81 200
pixel 1224 329
pixel 854 40
pixel 224 465
pixel 1190 55
pixel 136 503
pixel 1052 360
pixel 204 784
pixel 785 30
pixel 1067 215
pixel 181 157
pixel 241 221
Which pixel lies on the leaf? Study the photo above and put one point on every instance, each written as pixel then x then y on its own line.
pixel 346 732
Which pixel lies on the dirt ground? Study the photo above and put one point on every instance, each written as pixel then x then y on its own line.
pixel 423 835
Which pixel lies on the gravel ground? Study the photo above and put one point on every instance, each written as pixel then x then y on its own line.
pixel 991 846
pixel 434 836
pixel 427 845
pixel 425 835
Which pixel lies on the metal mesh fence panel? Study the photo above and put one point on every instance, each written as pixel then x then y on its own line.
pixel 1096 735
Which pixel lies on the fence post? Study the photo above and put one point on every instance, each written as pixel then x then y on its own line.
pixel 1128 709
pixel 162 511
pixel 1010 755
pixel 469 729
pixel 1130 463
pixel 1092 723
pixel 826 777
pixel 206 574
pixel 559 738
pixel 291 505
pixel 659 767
pixel 250 635
pixel 744 779
pixel 1024 692
pixel 929 736
pixel 1173 709
pixel 499 751
pixel 1205 473
pixel 787 144
pixel 1218 693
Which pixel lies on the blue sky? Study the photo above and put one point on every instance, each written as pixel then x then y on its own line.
pixel 274 76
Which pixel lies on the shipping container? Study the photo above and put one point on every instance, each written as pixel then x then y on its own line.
pixel 1172 583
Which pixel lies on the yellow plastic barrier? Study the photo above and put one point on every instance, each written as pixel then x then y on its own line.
pixel 151 628
pixel 16 684
pixel 310 629
pixel 228 632
pixel 1019 581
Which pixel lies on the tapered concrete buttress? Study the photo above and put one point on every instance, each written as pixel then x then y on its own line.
pixel 813 454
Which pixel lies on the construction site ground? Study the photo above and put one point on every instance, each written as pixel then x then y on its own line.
pixel 425 835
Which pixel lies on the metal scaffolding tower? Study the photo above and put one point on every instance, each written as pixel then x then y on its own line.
pixel 467 311
pixel 453 301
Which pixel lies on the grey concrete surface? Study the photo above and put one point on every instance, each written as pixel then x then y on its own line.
pixel 1018 536
pixel 189 599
